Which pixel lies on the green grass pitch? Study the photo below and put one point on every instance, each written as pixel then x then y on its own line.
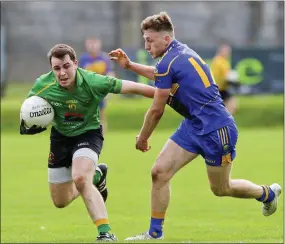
pixel 195 215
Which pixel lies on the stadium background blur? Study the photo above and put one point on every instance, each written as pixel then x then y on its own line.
pixel 255 31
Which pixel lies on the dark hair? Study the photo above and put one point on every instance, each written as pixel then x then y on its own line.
pixel 158 22
pixel 60 50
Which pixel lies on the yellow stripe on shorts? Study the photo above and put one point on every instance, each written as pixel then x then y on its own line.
pixel 223 133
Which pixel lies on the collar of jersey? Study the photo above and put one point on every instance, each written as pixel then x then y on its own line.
pixel 79 78
pixel 172 44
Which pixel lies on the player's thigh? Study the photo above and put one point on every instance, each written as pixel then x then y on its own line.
pixel 62 193
pixel 86 152
pixel 172 158
pixel 60 158
pixel 179 150
pixel 83 165
pixel 219 153
pixel 219 177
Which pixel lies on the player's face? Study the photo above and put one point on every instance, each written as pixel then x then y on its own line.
pixel 93 46
pixel 156 42
pixel 64 70
pixel 225 50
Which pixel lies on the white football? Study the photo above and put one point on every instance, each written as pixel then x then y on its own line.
pixel 36 111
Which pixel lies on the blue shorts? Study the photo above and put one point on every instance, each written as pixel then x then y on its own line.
pixel 216 147
pixel 102 104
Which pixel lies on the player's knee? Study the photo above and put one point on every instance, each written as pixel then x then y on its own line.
pixel 159 175
pixel 79 181
pixel 59 204
pixel 220 191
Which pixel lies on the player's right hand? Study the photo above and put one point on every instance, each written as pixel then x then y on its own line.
pixel 121 57
pixel 142 145
pixel 30 131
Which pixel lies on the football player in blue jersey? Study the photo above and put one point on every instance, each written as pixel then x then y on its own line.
pixel 184 82
pixel 96 60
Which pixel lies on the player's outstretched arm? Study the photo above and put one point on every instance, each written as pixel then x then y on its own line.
pixel 152 118
pixel 122 58
pixel 130 87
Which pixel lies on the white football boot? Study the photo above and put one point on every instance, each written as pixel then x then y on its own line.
pixel 270 207
pixel 143 236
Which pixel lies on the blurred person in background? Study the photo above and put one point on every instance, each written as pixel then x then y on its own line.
pixel 76 137
pixel 96 60
pixel 224 76
pixel 184 81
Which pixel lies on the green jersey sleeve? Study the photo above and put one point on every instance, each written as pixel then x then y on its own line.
pixel 103 85
pixel 34 89
pixel 41 84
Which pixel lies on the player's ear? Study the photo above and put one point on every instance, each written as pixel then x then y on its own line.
pixel 167 38
pixel 76 62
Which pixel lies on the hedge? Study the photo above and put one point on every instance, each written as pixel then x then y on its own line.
pixel 128 113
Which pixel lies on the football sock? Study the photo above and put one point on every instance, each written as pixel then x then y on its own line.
pixel 267 196
pixel 102 225
pixel 97 177
pixel 156 224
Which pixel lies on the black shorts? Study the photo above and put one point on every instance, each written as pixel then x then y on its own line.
pixel 225 95
pixel 63 147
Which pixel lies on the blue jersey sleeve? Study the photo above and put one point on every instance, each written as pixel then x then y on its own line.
pixel 163 74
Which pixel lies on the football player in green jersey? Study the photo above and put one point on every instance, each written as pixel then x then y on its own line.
pixel 76 135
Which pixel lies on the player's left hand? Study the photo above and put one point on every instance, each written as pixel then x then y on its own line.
pixel 30 131
pixel 142 144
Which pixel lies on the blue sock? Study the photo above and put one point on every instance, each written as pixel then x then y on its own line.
pixel 267 196
pixel 155 229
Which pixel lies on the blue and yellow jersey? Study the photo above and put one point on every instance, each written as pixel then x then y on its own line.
pixel 194 93
pixel 100 64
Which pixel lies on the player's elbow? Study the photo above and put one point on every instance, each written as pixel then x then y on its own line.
pixel 157 113
pixel 144 90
